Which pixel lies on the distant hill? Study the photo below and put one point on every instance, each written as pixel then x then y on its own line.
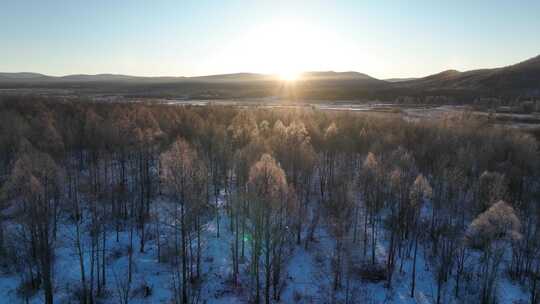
pixel 98 77
pixel 400 79
pixel 522 78
pixel 336 75
pixel 35 77
pixel 22 75
pixel 518 80
pixel 236 77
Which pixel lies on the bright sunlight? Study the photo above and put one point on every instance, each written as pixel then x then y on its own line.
pixel 289 76
pixel 284 47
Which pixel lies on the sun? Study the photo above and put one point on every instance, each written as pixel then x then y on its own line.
pixel 289 76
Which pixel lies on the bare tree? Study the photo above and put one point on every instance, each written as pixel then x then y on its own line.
pixel 491 188
pixel 268 187
pixel 179 165
pixel 35 181
pixel 490 232
pixel 420 190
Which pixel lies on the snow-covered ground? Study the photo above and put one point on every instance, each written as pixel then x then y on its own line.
pixel 308 277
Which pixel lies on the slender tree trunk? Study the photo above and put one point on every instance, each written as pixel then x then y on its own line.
pixel 267 258
pixel 103 258
pixel 198 248
pixel 184 254
pixel 413 278
pixel 373 238
pixel 534 285
pixel 81 262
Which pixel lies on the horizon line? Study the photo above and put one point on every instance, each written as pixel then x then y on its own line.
pixel 258 73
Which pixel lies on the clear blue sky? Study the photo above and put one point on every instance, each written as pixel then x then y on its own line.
pixel 381 38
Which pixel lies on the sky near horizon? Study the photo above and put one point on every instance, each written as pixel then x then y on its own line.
pixel 384 39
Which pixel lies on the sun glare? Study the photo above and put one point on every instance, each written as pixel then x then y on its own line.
pixel 284 46
pixel 289 76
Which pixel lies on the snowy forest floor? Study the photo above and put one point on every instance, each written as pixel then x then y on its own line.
pixel 308 277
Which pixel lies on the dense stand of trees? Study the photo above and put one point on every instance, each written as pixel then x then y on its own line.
pixel 384 191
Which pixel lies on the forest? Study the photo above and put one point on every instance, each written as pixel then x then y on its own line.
pixel 153 203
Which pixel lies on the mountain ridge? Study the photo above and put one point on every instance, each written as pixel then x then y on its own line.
pixel 231 76
pixel 531 63
pixel 516 80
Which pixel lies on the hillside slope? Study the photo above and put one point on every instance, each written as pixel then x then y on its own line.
pixel 518 80
pixel 523 77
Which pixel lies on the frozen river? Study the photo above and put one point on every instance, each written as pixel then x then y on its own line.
pixel 408 112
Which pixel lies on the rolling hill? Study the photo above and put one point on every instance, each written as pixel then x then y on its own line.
pixel 518 80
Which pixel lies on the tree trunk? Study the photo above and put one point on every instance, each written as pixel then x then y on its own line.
pixel 184 254
pixel 413 278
